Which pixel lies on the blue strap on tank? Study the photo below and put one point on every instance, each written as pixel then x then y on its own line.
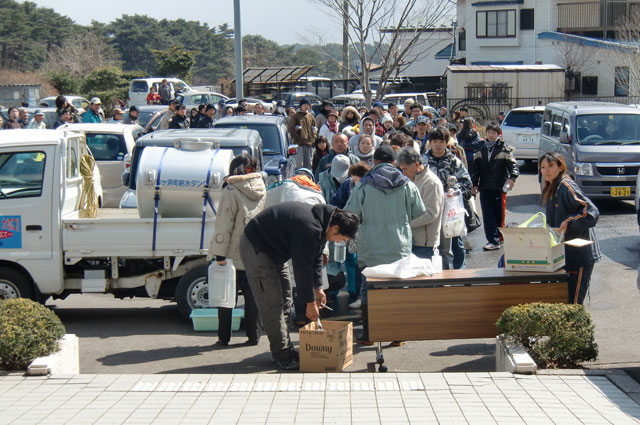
pixel 207 200
pixel 156 200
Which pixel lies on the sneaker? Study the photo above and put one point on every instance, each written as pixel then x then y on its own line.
pixel 491 247
pixel 356 304
pixel 290 363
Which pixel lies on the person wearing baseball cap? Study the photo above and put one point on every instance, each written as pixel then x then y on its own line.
pixel 93 113
pixel 421 135
pixel 385 201
pixel 331 179
pixel 37 122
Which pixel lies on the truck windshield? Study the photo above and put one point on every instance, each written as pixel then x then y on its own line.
pixel 608 129
pixel 21 174
pixel 523 119
pixel 268 133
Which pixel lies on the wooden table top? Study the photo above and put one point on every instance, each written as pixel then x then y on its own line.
pixel 469 276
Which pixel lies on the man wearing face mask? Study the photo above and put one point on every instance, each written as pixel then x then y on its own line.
pixel 331 179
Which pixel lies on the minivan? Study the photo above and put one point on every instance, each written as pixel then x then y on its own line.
pixel 139 88
pixel 521 130
pixel 600 143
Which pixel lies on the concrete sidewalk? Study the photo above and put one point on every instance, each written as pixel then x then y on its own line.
pixel 402 398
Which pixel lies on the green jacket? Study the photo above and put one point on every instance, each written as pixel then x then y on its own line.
pixel 386 202
pixel 328 184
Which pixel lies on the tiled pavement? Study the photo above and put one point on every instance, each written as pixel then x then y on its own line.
pixel 407 398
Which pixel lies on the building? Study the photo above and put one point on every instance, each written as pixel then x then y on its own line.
pixel 573 35
pixel 427 60
pixel 489 89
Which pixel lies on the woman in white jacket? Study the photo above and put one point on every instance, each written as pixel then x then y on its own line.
pixel 243 197
pixel 330 128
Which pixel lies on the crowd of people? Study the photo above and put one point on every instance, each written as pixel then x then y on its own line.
pixel 382 174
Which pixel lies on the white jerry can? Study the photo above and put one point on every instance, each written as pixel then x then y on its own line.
pixel 222 284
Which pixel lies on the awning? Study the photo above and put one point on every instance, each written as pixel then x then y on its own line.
pixel 284 74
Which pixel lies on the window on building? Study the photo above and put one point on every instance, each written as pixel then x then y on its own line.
pixel 496 24
pixel 462 40
pixel 526 19
pixel 590 85
pixel 622 81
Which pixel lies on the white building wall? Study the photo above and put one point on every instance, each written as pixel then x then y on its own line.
pixel 422 55
pixel 527 48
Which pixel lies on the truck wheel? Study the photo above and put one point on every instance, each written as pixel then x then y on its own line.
pixel 192 291
pixel 14 284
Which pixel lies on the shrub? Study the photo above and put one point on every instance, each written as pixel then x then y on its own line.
pixel 27 330
pixel 556 335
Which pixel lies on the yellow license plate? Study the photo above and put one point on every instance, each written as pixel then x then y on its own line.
pixel 620 191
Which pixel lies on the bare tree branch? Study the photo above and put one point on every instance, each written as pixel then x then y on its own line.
pixel 80 55
pixel 396 30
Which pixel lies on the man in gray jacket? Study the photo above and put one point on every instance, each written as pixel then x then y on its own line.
pixel 426 228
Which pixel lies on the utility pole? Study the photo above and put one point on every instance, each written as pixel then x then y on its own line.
pixel 345 42
pixel 237 32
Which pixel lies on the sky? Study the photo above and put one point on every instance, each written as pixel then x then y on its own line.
pixel 283 21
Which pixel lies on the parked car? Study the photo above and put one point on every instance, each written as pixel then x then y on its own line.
pixel 139 88
pixel 400 98
pixel 78 102
pixel 109 143
pixel 279 161
pixel 352 99
pixel 600 143
pixel 293 99
pixel 149 116
pixel 638 198
pixel 194 99
pixel 235 139
pixel 521 129
pixel 267 106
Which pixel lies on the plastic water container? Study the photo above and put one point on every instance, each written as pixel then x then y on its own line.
pixel 206 319
pixel 339 252
pixel 222 284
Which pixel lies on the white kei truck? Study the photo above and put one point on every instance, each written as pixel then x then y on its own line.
pixel 48 249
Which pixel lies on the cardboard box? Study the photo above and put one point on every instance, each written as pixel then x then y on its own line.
pixel 206 319
pixel 326 350
pixel 529 249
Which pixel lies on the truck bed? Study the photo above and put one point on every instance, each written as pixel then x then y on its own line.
pixel 122 233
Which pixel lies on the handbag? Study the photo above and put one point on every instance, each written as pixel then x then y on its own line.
pixel 471 219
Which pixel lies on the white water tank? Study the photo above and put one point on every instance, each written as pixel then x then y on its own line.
pixel 182 178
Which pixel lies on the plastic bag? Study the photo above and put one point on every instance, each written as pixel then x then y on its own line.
pixel 453 214
pixel 404 268
pixel 556 239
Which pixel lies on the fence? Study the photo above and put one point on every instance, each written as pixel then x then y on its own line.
pixel 486 109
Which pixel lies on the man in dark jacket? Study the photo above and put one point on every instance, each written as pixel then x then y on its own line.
pixel 339 146
pixel 206 121
pixel 165 92
pixel 298 232
pixel 495 171
pixel 179 120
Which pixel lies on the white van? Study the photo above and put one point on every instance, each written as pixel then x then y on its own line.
pixel 600 143
pixel 139 88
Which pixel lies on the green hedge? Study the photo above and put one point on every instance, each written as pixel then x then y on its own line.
pixel 555 335
pixel 27 330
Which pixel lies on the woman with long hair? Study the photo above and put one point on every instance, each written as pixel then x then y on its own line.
pixel 570 210
pixel 243 197
pixel 321 149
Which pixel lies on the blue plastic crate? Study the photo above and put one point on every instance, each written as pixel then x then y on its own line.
pixel 206 319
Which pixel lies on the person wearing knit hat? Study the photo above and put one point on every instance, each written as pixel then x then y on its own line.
pixel 407 108
pixel 386 122
pixel 330 126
